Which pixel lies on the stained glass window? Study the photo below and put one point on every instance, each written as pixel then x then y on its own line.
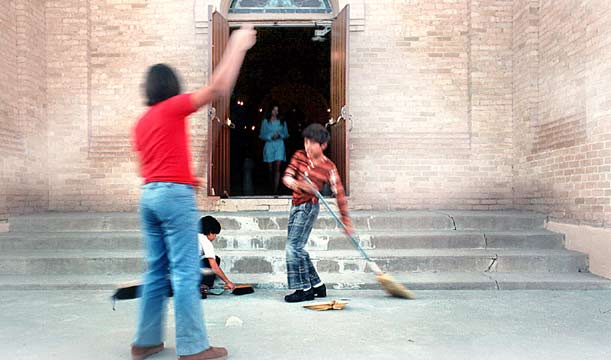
pixel 280 6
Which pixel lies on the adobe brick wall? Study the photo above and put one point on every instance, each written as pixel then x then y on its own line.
pixel 23 123
pixel 562 109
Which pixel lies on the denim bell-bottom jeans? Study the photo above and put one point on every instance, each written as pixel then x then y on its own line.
pixel 168 216
pixel 300 271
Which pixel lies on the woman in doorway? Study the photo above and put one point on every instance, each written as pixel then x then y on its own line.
pixel 273 131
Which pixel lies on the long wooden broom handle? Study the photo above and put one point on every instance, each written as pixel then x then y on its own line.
pixel 350 236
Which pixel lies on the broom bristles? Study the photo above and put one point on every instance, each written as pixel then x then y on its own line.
pixel 393 287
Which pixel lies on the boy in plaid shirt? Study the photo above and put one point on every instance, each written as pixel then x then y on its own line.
pixel 311 162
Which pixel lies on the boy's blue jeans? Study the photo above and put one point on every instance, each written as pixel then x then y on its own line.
pixel 300 271
pixel 168 216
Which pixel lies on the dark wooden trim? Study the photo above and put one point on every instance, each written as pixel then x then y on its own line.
pixel 218 132
pixel 339 148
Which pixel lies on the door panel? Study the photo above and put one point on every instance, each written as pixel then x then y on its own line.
pixel 218 131
pixel 338 148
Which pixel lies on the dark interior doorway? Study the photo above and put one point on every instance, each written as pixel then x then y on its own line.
pixel 288 68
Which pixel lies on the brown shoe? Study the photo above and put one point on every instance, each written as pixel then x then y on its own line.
pixel 142 352
pixel 216 353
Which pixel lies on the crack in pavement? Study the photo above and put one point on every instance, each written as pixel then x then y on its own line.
pixel 496 283
pixel 451 218
pixel 492 263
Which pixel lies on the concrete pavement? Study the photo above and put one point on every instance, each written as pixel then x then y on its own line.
pixel 55 324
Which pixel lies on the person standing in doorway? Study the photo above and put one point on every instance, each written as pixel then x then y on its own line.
pixel 273 131
pixel 168 211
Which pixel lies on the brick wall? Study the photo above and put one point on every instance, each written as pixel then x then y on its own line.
pixel 430 92
pixel 562 109
pixel 476 104
pixel 23 126
pixel 8 109
pixel 98 55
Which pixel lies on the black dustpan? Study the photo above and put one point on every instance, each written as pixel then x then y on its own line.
pixel 243 289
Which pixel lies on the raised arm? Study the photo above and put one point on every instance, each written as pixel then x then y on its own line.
pixel 226 73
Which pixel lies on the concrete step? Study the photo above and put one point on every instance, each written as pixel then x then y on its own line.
pixel 265 220
pixel 423 249
pixel 396 239
pixel 496 220
pixel 276 239
pixel 273 261
pixel 75 240
pixel 335 281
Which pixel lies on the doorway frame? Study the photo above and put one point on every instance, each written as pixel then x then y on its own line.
pixel 289 20
pixel 224 5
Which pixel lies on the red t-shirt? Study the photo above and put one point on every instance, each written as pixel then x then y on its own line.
pixel 161 140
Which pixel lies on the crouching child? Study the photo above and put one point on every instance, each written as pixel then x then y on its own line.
pixel 209 228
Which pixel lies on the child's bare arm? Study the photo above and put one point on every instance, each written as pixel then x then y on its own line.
pixel 226 73
pixel 217 270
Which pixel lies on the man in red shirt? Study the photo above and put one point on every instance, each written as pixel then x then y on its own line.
pixel 168 211
pixel 311 162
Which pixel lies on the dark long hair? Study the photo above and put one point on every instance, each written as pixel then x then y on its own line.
pixel 269 113
pixel 161 84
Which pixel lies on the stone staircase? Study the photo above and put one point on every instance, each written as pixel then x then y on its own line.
pixel 422 249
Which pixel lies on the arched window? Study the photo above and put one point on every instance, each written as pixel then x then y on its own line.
pixel 280 7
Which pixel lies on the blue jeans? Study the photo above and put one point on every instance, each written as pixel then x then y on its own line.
pixel 168 216
pixel 300 271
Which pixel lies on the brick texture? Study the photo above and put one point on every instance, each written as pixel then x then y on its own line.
pixel 8 109
pixel 562 109
pixel 95 92
pixel 430 91
pixel 462 104
pixel 23 122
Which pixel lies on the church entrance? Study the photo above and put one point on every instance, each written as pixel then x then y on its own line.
pixel 298 69
pixel 286 69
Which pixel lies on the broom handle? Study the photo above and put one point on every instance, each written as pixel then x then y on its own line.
pixel 375 267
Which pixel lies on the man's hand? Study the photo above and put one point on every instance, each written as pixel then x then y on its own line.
pixel 229 285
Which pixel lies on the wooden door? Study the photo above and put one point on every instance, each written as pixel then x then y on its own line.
pixel 218 131
pixel 338 147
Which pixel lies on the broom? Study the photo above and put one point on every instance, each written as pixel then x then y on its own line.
pixel 386 281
